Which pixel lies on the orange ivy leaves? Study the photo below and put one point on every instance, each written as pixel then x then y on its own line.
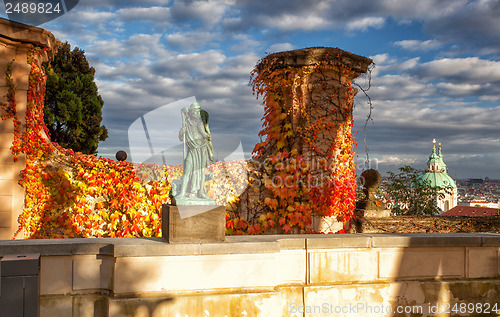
pixel 303 171
pixel 75 195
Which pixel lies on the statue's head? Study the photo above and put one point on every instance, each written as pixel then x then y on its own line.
pixel 195 111
pixel 194 105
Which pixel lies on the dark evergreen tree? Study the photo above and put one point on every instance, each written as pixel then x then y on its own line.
pixel 73 107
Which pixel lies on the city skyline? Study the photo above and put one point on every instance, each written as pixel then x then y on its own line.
pixel 436 74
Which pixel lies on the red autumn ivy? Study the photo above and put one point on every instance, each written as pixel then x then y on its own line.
pixel 301 179
pixel 75 195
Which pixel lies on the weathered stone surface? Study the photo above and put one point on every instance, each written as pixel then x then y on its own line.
pixel 428 224
pixel 6 187
pixel 6 140
pixel 6 157
pixel 482 262
pixel 426 240
pixel 6 172
pixel 16 42
pixel 343 266
pixel 251 304
pixel 326 224
pixel 91 272
pixel 416 263
pixel 209 226
pixel 8 53
pixel 5 217
pixel 19 32
pixel 187 274
pixel 420 298
pixel 56 275
pixel 338 241
pixel 309 56
pixel 20 72
pixel 275 281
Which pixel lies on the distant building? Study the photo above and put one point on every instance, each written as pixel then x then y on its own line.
pixel 471 211
pixel 475 181
pixel 436 176
pixel 481 203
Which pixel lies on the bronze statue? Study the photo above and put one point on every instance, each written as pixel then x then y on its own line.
pixel 198 154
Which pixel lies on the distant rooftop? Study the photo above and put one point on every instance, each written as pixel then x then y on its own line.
pixel 471 211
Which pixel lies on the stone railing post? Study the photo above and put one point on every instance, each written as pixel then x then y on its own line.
pixel 308 104
pixel 17 41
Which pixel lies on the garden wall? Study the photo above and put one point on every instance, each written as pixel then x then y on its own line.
pixel 323 275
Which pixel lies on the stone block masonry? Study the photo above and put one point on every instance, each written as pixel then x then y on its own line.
pixel 273 275
pixel 208 226
pixel 16 41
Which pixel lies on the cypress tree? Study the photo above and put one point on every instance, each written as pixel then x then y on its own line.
pixel 73 107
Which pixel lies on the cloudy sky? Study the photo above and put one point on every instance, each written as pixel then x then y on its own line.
pixel 436 74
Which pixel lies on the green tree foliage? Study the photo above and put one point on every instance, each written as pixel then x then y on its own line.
pixel 73 107
pixel 411 195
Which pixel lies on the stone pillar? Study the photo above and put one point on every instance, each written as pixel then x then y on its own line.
pixel 309 101
pixel 17 41
pixel 321 91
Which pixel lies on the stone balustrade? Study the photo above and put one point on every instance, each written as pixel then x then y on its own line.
pixel 265 275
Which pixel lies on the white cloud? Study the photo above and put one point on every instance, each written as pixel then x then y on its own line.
pixel 380 59
pixel 399 160
pixel 415 45
pixel 150 14
pixel 183 65
pixel 191 40
pixel 290 22
pixel 142 46
pixel 470 70
pixel 210 12
pixel 279 47
pixel 459 90
pixel 365 23
pixel 408 64
pixel 244 43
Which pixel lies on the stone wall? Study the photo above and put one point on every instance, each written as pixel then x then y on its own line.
pixel 416 224
pixel 267 275
pixel 16 42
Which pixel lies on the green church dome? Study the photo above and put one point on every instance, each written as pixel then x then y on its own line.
pixel 438 180
pixel 436 175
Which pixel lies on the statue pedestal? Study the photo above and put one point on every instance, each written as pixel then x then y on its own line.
pixel 207 226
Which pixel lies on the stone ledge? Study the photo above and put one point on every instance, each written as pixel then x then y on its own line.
pixel 24 33
pixel 384 240
pixel 339 241
pixel 129 247
pixel 312 55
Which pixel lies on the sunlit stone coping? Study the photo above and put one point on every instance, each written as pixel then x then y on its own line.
pixel 129 247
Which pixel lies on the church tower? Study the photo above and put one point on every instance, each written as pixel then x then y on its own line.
pixel 437 177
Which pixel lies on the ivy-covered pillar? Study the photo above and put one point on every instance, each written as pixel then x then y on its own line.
pixel 305 159
pixel 21 47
